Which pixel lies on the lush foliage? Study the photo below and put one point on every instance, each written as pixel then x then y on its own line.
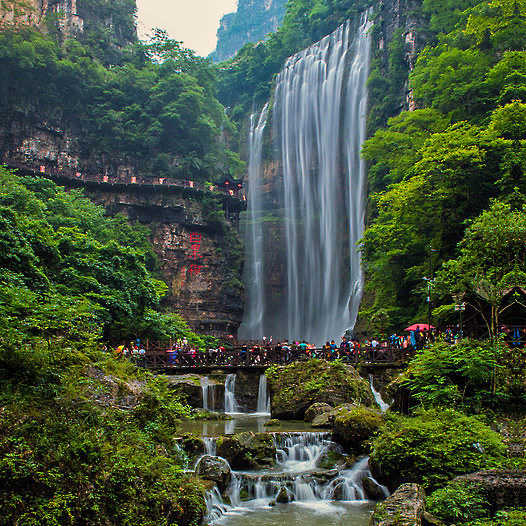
pixel 471 374
pixel 248 76
pixel 69 271
pixel 157 105
pixel 437 167
pixel 457 502
pixel 69 455
pixel 433 447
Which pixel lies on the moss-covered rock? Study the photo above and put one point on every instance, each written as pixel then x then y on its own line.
pixel 247 450
pixel 215 469
pixel 273 422
pixel 353 426
pixel 317 409
pixel 294 388
pixel 404 508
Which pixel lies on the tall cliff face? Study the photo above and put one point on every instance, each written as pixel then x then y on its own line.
pixel 108 25
pixel 205 282
pixel 253 21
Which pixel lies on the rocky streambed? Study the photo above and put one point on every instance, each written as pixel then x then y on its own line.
pixel 265 477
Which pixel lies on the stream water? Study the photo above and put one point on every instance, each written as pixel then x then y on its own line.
pixel 335 494
pixel 300 476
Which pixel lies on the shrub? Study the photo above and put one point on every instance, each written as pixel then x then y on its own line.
pixel 433 447
pixel 457 502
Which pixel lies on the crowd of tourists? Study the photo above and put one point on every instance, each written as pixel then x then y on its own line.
pixel 415 339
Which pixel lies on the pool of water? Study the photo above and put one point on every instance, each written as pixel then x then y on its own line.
pixel 300 514
pixel 242 422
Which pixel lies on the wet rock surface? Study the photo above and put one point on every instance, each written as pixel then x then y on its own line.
pixel 372 489
pixel 247 450
pixel 215 469
pixel 404 508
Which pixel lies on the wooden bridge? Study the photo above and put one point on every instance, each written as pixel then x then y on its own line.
pixel 173 361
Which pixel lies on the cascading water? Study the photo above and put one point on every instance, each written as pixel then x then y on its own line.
pixel 263 398
pixel 208 393
pixel 377 396
pixel 231 405
pixel 297 473
pixel 319 119
pixel 254 267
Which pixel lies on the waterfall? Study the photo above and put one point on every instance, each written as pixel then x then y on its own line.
pixel 297 473
pixel 319 120
pixel 377 396
pixel 208 393
pixel 230 398
pixel 254 267
pixel 263 398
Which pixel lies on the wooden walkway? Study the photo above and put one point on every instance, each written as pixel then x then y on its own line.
pixel 174 361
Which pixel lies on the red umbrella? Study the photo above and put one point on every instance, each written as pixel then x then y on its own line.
pixel 421 326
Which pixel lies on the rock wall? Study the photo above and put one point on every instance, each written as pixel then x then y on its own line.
pixel 205 283
pixel 253 21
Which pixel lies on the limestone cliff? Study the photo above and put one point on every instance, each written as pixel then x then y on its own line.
pixel 253 21
pixel 110 23
pixel 199 251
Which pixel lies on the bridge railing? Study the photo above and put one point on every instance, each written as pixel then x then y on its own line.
pixel 69 173
pixel 263 357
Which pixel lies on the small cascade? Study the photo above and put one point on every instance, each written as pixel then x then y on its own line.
pixel 208 393
pixel 210 446
pixel 231 405
pixel 263 398
pixel 377 396
pixel 296 474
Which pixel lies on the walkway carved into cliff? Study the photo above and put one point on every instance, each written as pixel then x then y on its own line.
pixel 231 195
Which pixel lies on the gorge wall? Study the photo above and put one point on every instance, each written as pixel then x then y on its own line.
pixel 252 21
pixel 199 251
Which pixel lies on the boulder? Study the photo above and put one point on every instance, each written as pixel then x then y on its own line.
pixel 333 458
pixel 317 409
pixel 215 469
pixel 372 489
pixel 296 387
pixel 405 507
pixel 284 496
pixel 502 488
pixel 323 420
pixel 274 422
pixel 352 427
pixel 189 386
pixel 247 450
pixel 192 444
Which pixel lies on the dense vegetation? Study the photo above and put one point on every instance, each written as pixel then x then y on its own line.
pixel 457 160
pixel 153 103
pixel 247 78
pixel 84 438
pixel 69 453
pixel 70 272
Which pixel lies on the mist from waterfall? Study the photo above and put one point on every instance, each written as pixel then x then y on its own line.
pixel 319 123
